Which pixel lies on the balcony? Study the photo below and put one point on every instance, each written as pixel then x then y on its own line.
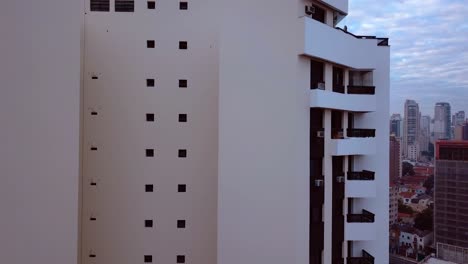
pixel 360 184
pixel 352 146
pixel 338 88
pixel 339 101
pixel 365 259
pixel 353 89
pixel 334 45
pixel 360 227
pixel 360 132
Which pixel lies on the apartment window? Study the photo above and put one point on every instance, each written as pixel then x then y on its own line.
pixel 182 118
pixel 148 259
pixel 100 5
pixel 150 117
pixel 93 148
pixel 183 5
pixel 149 152
pixel 181 188
pixel 94 113
pixel 151 5
pixel 180 259
pixel 148 223
pixel 180 223
pixel 182 83
pixel 149 82
pixel 149 188
pixel 182 153
pixel 124 6
pixel 150 44
pixel 183 45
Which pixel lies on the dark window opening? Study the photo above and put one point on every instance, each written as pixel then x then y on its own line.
pixel 93 148
pixel 181 188
pixel 150 82
pixel 149 152
pixel 183 83
pixel 150 117
pixel 124 6
pixel 148 259
pixel 183 45
pixel 316 75
pixel 319 14
pixel 151 5
pixel 337 124
pixel 148 223
pixel 183 118
pixel 92 218
pixel 338 80
pixel 183 5
pixel 182 153
pixel 100 5
pixel 180 259
pixel 150 44
pixel 149 188
pixel 180 223
pixel 94 78
pixel 92 255
pixel 94 113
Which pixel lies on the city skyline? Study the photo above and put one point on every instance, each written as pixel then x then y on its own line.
pixel 429 58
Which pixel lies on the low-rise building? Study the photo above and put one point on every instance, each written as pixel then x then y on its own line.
pixel 415 240
pixel 406 197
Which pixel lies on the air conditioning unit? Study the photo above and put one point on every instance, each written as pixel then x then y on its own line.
pixel 318 183
pixel 309 10
pixel 321 86
pixel 320 134
pixel 340 179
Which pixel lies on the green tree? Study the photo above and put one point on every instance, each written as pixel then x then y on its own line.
pixel 407 169
pixel 424 220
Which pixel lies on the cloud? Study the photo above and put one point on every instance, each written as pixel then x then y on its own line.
pixel 429 48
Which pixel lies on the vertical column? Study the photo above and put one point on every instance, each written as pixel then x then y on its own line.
pixel 345 201
pixel 329 18
pixel 346 80
pixel 328 72
pixel 328 179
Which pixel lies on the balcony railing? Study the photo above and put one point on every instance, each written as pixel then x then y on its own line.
pixel 355 89
pixel 318 85
pixel 360 132
pixel 365 217
pixel 365 259
pixel 364 175
pixel 338 88
pixel 337 133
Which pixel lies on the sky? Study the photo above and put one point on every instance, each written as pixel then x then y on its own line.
pixel 429 48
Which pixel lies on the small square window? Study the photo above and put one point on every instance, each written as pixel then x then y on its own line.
pixel 150 117
pixel 183 118
pixel 150 82
pixel 149 152
pixel 150 44
pixel 183 5
pixel 182 83
pixel 182 188
pixel 180 223
pixel 148 259
pixel 183 45
pixel 182 153
pixel 148 223
pixel 100 5
pixel 151 5
pixel 149 188
pixel 180 259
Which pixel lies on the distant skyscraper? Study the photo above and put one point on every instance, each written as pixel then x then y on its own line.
pixel 425 134
pixel 411 128
pixel 395 158
pixel 442 124
pixel 396 125
pixel 458 119
pixel 451 205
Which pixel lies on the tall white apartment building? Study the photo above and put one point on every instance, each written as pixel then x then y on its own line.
pixel 411 128
pixel 199 132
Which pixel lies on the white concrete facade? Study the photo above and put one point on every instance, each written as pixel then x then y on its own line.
pixel 148 152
